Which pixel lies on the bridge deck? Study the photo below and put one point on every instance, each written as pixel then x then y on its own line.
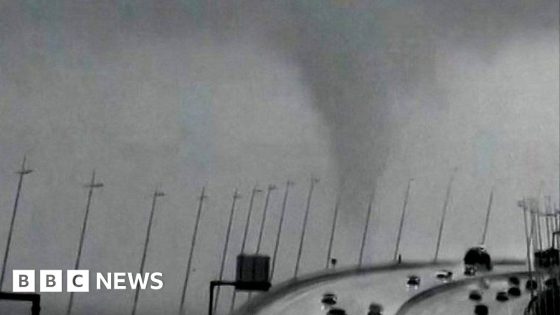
pixel 386 285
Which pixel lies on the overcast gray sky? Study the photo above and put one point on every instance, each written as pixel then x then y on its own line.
pixel 181 94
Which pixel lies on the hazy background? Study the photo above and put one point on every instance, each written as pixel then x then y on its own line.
pixel 180 94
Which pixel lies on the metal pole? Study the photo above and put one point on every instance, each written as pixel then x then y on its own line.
pixel 549 231
pixel 280 225
pixel 22 172
pixel 366 228
pixel 538 223
pixel 536 229
pixel 193 243
pixel 487 220
pixel 92 185
pixel 226 245
pixel 555 226
pixel 313 181
pixel 443 213
pixel 146 243
pixel 557 223
pixel 523 205
pixel 216 283
pixel 538 217
pixel 265 211
pixel 244 241
pixel 550 220
pixel 333 228
pixel 248 219
pixel 211 298
pixel 401 224
pixel 263 221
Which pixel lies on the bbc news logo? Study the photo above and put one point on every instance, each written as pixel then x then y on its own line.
pixel 79 281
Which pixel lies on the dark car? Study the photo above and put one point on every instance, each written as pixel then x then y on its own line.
pixel 444 275
pixel 531 284
pixel 329 299
pixel 513 280
pixel 547 258
pixel 413 281
pixel 514 292
pixel 470 270
pixel 481 309
pixel 551 283
pixel 336 311
pixel 502 296
pixel 477 258
pixel 375 309
pixel 475 295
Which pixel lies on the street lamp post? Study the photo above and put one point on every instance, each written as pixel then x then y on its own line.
pixel 155 196
pixel 91 186
pixel 22 172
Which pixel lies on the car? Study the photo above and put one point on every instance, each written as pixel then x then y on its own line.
pixel 514 291
pixel 413 281
pixel 548 258
pixel 329 299
pixel 336 311
pixel 444 275
pixel 475 295
pixel 470 270
pixel 477 258
pixel 513 280
pixel 531 285
pixel 481 309
pixel 375 309
pixel 502 296
pixel 551 283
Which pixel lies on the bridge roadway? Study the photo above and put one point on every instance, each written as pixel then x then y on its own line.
pixel 356 289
